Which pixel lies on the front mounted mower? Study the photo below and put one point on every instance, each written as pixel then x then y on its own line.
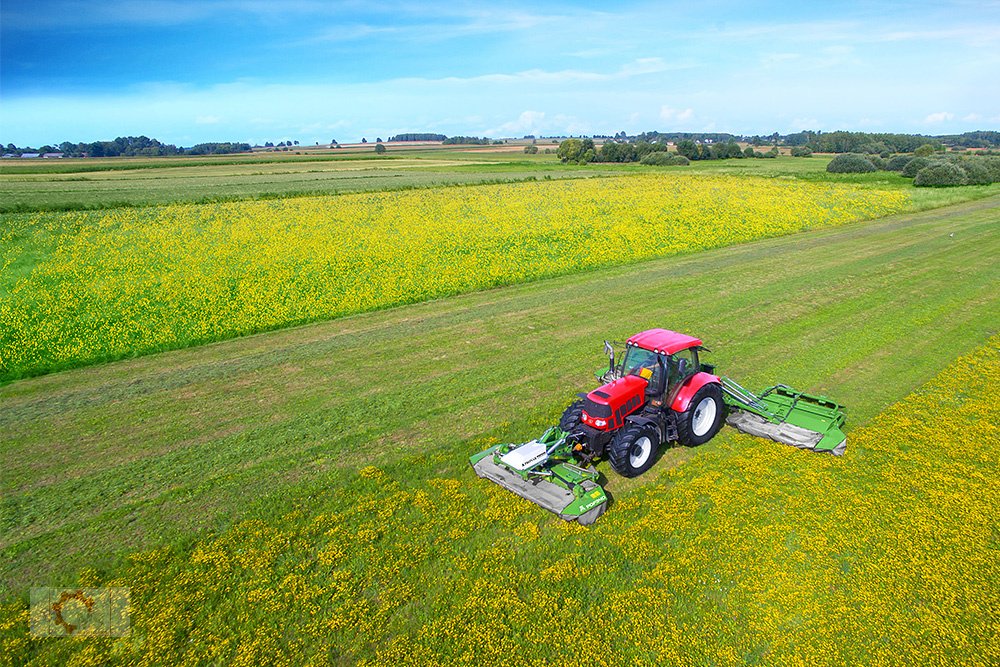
pixel 658 392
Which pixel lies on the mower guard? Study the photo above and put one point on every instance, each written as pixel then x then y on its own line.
pixel 787 416
pixel 543 472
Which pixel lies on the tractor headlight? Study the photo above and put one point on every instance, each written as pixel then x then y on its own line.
pixel 600 423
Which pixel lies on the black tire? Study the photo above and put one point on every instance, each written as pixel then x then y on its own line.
pixel 696 426
pixel 632 451
pixel 571 417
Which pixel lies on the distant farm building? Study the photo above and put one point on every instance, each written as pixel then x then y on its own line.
pixel 30 155
pixel 51 155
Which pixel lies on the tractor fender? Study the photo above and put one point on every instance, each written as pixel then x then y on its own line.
pixel 642 421
pixel 690 388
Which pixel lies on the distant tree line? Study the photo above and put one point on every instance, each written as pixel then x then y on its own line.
pixel 860 142
pixel 484 141
pixel 130 147
pixel 584 151
pixel 825 142
pixel 674 137
pixel 418 136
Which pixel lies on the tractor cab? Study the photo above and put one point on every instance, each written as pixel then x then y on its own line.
pixel 659 357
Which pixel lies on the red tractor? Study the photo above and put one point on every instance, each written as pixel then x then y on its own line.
pixel 659 392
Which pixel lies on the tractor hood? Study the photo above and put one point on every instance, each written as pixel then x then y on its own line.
pixel 606 407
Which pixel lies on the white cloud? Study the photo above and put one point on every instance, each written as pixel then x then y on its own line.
pixel 939 117
pixel 529 122
pixel 676 115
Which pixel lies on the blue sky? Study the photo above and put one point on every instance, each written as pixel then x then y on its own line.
pixel 271 70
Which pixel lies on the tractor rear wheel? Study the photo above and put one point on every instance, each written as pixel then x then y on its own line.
pixel 571 417
pixel 633 449
pixel 703 418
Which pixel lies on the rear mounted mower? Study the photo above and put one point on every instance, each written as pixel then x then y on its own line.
pixel 659 392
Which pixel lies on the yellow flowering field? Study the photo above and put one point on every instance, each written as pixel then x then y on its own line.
pixel 750 553
pixel 78 287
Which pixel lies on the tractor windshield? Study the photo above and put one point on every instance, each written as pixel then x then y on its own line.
pixel 644 363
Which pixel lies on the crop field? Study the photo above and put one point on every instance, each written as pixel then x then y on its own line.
pixel 303 495
pixel 87 286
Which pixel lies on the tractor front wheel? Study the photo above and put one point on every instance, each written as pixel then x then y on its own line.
pixel 571 417
pixel 633 449
pixel 703 418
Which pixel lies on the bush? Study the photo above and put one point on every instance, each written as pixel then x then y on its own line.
pixel 662 159
pixel 850 163
pixel 924 151
pixel 915 165
pixel 897 163
pixel 939 175
pixel 801 151
pixel 992 165
pixel 976 172
pixel 531 150
pixel 877 161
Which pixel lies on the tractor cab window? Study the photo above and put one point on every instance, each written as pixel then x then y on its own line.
pixel 683 364
pixel 644 363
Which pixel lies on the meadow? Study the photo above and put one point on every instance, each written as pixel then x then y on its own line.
pixel 75 184
pixel 266 481
pixel 302 495
pixel 748 554
pixel 90 286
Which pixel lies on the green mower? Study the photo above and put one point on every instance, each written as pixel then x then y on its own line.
pixel 659 392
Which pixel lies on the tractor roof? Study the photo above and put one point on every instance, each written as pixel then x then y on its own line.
pixel 663 340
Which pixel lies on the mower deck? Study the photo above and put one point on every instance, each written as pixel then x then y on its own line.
pixel 542 492
pixel 542 471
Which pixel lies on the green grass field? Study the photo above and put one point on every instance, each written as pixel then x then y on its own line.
pixel 110 182
pixel 102 183
pixel 176 449
pixel 304 494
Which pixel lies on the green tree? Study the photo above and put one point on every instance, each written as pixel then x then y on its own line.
pixel 688 149
pixel 926 150
pixel 570 150
pixel 379 148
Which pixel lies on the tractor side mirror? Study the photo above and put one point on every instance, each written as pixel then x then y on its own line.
pixel 610 351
